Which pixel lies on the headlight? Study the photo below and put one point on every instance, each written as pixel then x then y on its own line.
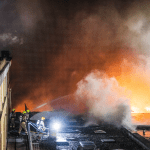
pixel 56 126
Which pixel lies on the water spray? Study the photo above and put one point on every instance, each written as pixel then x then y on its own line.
pixel 39 106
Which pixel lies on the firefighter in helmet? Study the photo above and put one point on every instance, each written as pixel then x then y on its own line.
pixel 40 124
pixel 23 121
pixel 12 119
pixel 27 114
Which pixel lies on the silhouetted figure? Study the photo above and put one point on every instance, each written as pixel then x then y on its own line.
pixel 12 119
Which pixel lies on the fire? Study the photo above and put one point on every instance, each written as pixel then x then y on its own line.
pixel 141 118
pixel 138 83
pixel 147 108
pixel 134 109
pixel 129 75
pixel 21 106
pixel 33 106
pixel 37 100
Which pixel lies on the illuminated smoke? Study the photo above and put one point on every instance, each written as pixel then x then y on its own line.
pixel 104 99
pixel 65 41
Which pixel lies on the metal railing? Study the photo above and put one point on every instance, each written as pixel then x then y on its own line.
pixel 36 146
pixel 33 146
pixel 29 138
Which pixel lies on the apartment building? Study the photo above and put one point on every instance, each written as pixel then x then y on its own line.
pixel 5 97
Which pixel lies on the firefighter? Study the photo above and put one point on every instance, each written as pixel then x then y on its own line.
pixel 12 119
pixel 23 121
pixel 27 114
pixel 40 124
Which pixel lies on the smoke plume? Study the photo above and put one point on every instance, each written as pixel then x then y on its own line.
pixel 8 39
pixel 63 41
pixel 104 99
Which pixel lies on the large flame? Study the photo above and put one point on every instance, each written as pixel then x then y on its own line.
pixel 35 101
pixel 139 84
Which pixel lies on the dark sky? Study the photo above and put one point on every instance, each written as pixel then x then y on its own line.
pixel 55 43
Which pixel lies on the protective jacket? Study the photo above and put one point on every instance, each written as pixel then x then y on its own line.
pixel 27 116
pixel 12 114
pixel 23 118
pixel 23 121
pixel 40 124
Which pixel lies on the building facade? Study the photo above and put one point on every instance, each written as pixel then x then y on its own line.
pixel 5 100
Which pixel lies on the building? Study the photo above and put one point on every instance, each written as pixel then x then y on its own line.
pixel 5 97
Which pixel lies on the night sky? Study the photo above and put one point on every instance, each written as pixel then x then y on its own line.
pixel 55 43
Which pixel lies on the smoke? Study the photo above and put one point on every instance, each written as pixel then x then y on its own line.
pixel 9 39
pixel 30 13
pixel 63 41
pixel 104 99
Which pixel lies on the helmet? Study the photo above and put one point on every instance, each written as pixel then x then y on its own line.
pixel 42 118
pixel 28 111
pixel 24 112
pixel 13 109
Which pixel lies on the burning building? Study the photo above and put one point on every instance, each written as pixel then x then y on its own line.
pixel 65 42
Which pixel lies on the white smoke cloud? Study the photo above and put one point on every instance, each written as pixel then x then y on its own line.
pixel 8 39
pixel 104 99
